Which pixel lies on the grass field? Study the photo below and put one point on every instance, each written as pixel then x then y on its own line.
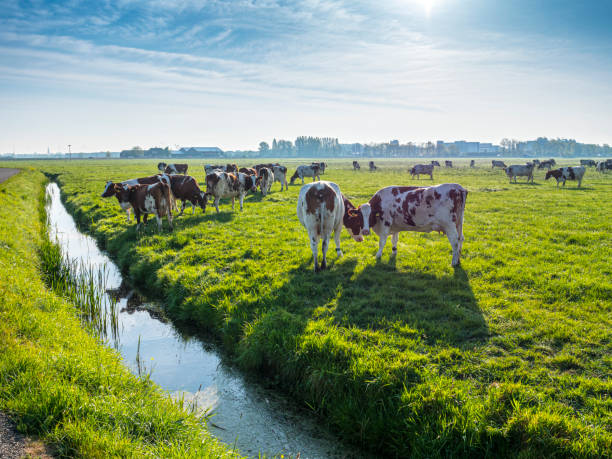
pixel 56 380
pixel 508 354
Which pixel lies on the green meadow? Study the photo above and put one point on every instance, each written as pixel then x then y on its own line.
pixel 508 354
pixel 57 381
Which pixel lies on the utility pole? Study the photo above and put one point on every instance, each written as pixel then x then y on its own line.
pixel 69 152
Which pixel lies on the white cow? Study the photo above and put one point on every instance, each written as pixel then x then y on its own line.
pixel 320 210
pixel 266 178
pixel 229 185
pixel 305 171
pixel 520 170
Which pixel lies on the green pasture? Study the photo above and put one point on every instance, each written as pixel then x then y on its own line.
pixel 57 381
pixel 509 354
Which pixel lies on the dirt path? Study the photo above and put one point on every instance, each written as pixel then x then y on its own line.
pixel 5 173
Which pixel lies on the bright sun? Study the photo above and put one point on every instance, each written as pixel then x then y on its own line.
pixel 427 5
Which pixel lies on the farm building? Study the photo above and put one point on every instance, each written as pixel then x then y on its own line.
pixel 197 152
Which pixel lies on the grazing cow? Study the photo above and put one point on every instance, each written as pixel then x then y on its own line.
pixel 604 165
pixel 495 163
pixel 472 163
pixel 426 169
pixel 266 178
pixel 186 188
pixel 109 189
pixel 228 185
pixel 280 173
pixel 356 166
pixel 588 162
pixel 549 163
pixel 435 163
pixel 321 166
pixel 448 163
pixel 407 208
pixel 536 162
pixel 320 210
pixel 567 173
pixel 146 199
pixel 249 171
pixel 305 171
pixel 520 170
pixel 210 168
pixel 172 168
pixel 372 166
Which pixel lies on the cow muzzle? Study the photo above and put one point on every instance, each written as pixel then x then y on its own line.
pixel 365 232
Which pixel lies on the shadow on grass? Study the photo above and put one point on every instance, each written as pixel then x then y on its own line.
pixel 525 183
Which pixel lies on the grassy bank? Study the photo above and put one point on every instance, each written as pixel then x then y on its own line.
pixel 509 354
pixel 56 380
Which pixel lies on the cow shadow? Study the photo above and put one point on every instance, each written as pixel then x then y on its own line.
pixel 188 220
pixel 525 183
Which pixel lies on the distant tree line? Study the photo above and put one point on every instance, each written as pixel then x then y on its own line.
pixel 543 146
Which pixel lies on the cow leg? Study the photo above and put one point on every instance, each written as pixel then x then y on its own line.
pixel 324 246
pixel 564 180
pixel 217 199
pixel 382 240
pixel 182 207
pixel 159 220
pixel 127 213
pixel 241 201
pixel 234 203
pixel 314 246
pixel 579 182
pixel 137 218
pixel 453 238
pixel 394 240
pixel 337 232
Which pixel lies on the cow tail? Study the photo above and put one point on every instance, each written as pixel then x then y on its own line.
pixel 167 199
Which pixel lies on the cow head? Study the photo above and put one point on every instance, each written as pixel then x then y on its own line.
pixel 161 167
pixel 251 182
pixel 357 220
pixel 553 173
pixel 202 200
pixel 413 171
pixel 109 189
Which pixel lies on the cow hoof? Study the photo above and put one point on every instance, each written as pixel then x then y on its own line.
pixel 339 253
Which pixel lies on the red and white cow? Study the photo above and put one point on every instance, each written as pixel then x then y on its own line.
pixel 567 173
pixel 425 169
pixel 266 178
pixel 320 210
pixel 405 208
pixel 109 189
pixel 228 185
pixel 280 173
pixel 147 199
pixel 186 188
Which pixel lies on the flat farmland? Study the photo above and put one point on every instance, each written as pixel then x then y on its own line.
pixel 510 353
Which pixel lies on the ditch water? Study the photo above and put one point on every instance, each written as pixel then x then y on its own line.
pixel 244 414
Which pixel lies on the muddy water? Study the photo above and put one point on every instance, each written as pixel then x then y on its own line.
pixel 244 414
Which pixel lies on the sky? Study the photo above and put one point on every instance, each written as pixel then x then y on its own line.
pixel 108 75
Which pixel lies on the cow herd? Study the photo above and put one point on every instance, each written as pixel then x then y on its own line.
pixel 321 207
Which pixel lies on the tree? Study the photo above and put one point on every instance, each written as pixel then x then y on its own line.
pixel 264 147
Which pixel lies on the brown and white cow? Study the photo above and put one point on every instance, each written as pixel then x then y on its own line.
pixel 231 168
pixel 147 199
pixel 406 208
pixel 109 189
pixel 496 163
pixel 186 188
pixel 425 169
pixel 435 163
pixel 567 173
pixel 356 166
pixel 372 166
pixel 249 171
pixel 520 170
pixel 320 210
pixel 210 168
pixel 266 179
pixel 305 171
pixel 321 166
pixel 280 173
pixel 588 162
pixel 228 185
pixel 173 168
pixel 548 164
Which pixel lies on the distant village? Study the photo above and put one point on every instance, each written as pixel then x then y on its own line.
pixel 330 147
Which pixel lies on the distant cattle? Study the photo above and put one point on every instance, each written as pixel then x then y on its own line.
pixel 356 166
pixel 147 199
pixel 426 169
pixel 321 166
pixel 266 178
pixel 228 185
pixel 472 163
pixel 372 166
pixel 604 165
pixel 305 171
pixel 280 173
pixel 185 188
pixel 320 210
pixel 448 164
pixel 567 173
pixel 110 189
pixel 210 168
pixel 172 168
pixel 398 208
pixel 548 164
pixel 588 162
pixel 495 163
pixel 435 163
pixel 520 170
